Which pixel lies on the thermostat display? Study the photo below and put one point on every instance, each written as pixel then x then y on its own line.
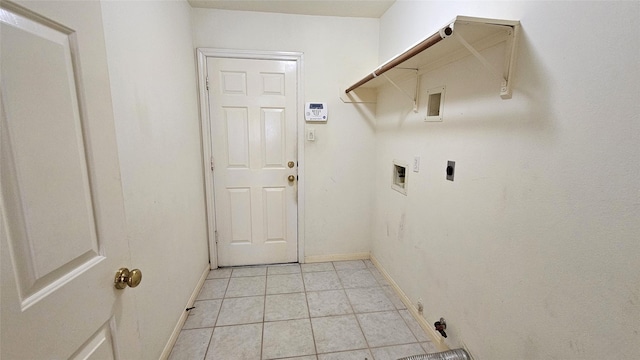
pixel 315 111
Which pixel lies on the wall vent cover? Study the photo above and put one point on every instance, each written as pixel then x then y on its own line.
pixel 435 104
pixel 400 177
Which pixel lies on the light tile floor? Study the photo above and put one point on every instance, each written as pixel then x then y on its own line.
pixel 342 310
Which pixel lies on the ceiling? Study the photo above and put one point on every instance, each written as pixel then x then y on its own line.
pixel 349 8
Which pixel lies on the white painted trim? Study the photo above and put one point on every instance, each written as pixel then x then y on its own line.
pixel 183 317
pixel 435 337
pixel 301 163
pixel 203 54
pixel 250 54
pixel 337 257
pixel 205 136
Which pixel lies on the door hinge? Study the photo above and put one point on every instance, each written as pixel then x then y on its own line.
pixel 216 235
pixel 207 82
pixel 213 165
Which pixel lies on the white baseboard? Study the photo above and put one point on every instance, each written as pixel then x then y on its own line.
pixel 176 330
pixel 336 257
pixel 436 339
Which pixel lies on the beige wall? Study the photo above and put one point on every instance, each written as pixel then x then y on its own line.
pixel 153 84
pixel 339 165
pixel 532 252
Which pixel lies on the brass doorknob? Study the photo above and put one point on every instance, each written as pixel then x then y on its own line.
pixel 291 178
pixel 125 278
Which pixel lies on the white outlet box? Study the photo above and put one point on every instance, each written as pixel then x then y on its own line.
pixel 416 164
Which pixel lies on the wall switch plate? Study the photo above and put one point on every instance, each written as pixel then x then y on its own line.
pixel 416 164
pixel 311 134
pixel 451 169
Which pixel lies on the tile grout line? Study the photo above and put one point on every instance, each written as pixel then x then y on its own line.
pixel 264 313
pixel 350 305
pixel 398 310
pixel 409 326
pixel 214 323
pixel 355 315
pixel 218 315
pixel 224 296
pixel 306 297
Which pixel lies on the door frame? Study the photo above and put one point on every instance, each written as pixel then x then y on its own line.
pixel 205 134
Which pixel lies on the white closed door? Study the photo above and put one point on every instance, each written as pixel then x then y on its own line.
pixel 62 232
pixel 252 106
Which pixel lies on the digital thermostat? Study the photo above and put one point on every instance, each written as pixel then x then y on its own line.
pixel 315 111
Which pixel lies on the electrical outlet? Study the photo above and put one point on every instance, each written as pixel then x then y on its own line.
pixel 451 169
pixel 420 306
pixel 416 164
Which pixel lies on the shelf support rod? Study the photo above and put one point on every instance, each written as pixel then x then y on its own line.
pixel 413 99
pixel 425 44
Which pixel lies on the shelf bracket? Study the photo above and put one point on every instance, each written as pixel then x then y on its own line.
pixel 505 76
pixel 414 98
pixel 360 95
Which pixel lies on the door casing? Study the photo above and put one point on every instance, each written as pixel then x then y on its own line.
pixel 205 123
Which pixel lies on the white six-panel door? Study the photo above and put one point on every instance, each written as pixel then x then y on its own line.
pixel 62 230
pixel 252 106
